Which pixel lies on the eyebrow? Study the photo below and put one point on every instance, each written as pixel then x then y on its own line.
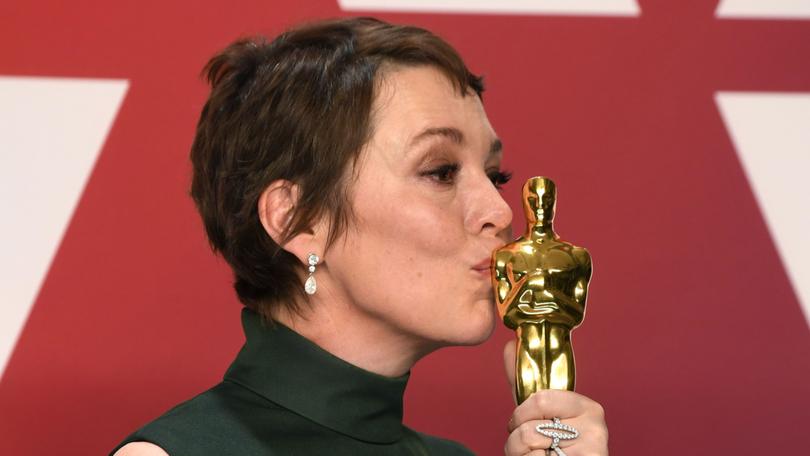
pixel 453 134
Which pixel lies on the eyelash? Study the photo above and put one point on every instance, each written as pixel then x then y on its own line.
pixel 500 178
pixel 444 174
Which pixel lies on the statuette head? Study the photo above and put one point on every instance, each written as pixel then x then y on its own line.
pixel 539 200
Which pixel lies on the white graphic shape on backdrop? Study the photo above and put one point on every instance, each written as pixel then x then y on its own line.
pixel 561 7
pixel 765 9
pixel 51 131
pixel 771 132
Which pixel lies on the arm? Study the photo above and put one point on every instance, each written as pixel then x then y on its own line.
pixel 583 258
pixel 503 282
pixel 140 449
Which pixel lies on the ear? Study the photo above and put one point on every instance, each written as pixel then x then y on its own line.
pixel 276 206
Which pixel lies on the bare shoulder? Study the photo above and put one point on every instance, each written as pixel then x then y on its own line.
pixel 140 449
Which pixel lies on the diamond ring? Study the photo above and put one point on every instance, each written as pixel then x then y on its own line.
pixel 560 432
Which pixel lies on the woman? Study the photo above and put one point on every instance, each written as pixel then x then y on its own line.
pixel 349 175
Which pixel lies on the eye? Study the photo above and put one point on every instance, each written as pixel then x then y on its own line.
pixel 499 178
pixel 444 174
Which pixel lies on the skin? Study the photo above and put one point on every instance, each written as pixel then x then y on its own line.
pixel 414 223
pixel 411 273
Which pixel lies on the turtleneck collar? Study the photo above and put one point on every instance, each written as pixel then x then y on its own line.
pixel 288 369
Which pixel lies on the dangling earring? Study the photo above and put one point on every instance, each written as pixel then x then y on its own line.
pixel 310 286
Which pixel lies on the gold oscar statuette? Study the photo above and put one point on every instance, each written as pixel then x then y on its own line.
pixel 541 283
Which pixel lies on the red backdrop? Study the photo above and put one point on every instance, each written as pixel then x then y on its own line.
pixel 694 339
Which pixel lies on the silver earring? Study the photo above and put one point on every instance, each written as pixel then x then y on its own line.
pixel 310 286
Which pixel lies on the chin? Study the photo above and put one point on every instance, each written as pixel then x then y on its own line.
pixel 475 330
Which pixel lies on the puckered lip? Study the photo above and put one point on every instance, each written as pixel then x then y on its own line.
pixel 483 265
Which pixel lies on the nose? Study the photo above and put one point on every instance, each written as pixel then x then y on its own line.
pixel 487 211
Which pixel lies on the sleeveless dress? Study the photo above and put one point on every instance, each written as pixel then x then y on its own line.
pixel 284 395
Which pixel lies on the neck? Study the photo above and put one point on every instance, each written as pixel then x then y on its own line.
pixel 544 230
pixel 353 336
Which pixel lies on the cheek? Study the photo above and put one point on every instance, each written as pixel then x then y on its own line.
pixel 402 252
pixel 416 232
pixel 422 264
pixel 406 262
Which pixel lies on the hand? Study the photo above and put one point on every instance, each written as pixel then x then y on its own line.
pixel 584 414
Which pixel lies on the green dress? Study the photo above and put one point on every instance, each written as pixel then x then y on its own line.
pixel 284 395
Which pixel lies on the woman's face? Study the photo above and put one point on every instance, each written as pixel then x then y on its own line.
pixel 427 215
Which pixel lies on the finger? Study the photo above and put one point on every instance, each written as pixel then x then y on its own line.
pixel 525 439
pixel 548 404
pixel 509 362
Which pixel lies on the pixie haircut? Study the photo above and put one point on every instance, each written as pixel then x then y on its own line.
pixel 296 108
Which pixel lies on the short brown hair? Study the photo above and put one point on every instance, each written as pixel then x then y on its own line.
pixel 296 108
